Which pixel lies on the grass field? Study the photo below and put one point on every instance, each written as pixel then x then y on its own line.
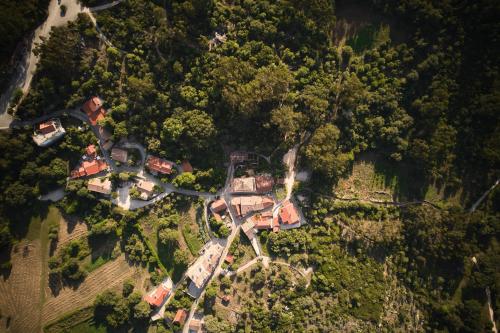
pixel 67 322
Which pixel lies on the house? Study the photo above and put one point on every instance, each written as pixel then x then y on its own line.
pixel 186 166
pixel 119 155
pixel 91 151
pixel 100 185
pixel 195 326
pixel 288 213
pixel 94 110
pixel 48 132
pixel 253 203
pixel 264 183
pixel 218 206
pixel 180 317
pixel 243 184
pixel 158 165
pixel 203 267
pixel 146 188
pixel 263 220
pixel 89 168
pixel 106 142
pixel 229 259
pixel 247 229
pixel 158 295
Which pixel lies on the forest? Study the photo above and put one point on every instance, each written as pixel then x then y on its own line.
pixel 422 93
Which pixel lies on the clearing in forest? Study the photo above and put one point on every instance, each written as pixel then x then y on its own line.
pixel 66 299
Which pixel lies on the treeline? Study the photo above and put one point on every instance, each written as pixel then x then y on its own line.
pixel 17 19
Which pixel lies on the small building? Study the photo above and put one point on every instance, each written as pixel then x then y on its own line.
pixel 288 214
pixel 180 317
pixel 120 155
pixel 158 295
pixel 186 166
pixel 264 183
pixel 263 220
pixel 48 132
pixel 91 151
pixel 94 110
pixel 218 206
pixel 89 168
pixel 229 259
pixel 105 141
pixel 247 229
pixel 249 204
pixel 158 165
pixel 195 326
pixel 243 184
pixel 100 185
pixel 146 188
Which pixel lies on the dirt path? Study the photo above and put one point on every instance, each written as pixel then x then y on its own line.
pixel 289 160
pixel 20 292
pixel 109 276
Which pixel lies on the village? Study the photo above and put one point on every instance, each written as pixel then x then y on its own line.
pixel 249 202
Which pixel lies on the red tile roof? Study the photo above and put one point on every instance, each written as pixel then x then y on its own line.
pixel 159 165
pixel 288 213
pixel 47 127
pixel 186 166
pixel 229 259
pixel 218 205
pixel 157 296
pixel 94 110
pixel 89 168
pixel 180 316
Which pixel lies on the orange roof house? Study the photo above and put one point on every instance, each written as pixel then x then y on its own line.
pixel 180 317
pixel 94 110
pixel 218 206
pixel 264 183
pixel 288 213
pixel 186 166
pixel 89 168
pixel 159 294
pixel 156 164
pixel 103 186
pixel 229 259
pixel 47 127
pixel 263 220
pixel 253 203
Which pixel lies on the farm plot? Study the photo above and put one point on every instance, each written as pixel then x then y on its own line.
pixel 20 291
pixel 108 276
pixel 70 229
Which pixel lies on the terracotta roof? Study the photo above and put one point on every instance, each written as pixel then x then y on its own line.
pixel 186 166
pixel 90 150
pixel 229 259
pixel 89 168
pixel 252 203
pixel 288 213
pixel 264 183
pixel 157 296
pixel 119 155
pixel 159 165
pixel 218 205
pixel 247 229
pixel 99 185
pixel 194 325
pixel 93 109
pixel 180 316
pixel 263 221
pixel 47 127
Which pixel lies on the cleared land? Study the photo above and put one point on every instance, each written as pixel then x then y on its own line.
pixel 109 276
pixel 20 291
pixel 70 229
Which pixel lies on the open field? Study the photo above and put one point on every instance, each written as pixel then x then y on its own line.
pixel 108 276
pixel 70 229
pixel 20 291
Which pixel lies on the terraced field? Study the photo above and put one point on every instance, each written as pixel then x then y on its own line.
pixel 20 291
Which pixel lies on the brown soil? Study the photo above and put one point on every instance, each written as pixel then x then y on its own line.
pixel 20 291
pixel 109 276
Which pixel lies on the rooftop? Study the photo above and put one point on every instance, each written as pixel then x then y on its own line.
pixel 180 316
pixel 288 213
pixel 157 164
pixel 47 132
pixel 156 296
pixel 119 155
pixel 94 110
pixel 100 185
pixel 264 183
pixel 203 267
pixel 218 206
pixel 243 184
